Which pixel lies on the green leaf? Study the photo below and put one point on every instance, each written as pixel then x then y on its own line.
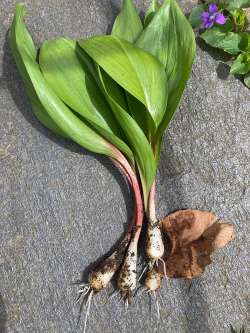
pixel 72 81
pixel 233 4
pixel 195 15
pixel 239 19
pixel 229 42
pixel 247 80
pixel 170 38
pixel 136 71
pixel 25 53
pixel 139 112
pixel 37 107
pixel 244 44
pixel 152 10
pixel 241 65
pixel 137 140
pixel 128 24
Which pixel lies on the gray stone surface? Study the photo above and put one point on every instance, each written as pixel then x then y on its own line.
pixel 62 208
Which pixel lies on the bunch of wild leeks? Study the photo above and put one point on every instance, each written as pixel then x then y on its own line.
pixel 115 95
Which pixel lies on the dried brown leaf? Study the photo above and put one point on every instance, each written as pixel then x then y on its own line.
pixel 193 235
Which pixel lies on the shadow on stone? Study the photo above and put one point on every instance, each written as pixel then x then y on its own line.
pixel 223 71
pixel 114 11
pixel 3 316
pixel 215 53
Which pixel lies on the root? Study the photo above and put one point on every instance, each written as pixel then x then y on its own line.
pixel 146 267
pixel 157 306
pixel 82 293
pixel 88 304
pixel 164 267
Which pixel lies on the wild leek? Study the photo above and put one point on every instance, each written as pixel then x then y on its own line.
pixel 115 95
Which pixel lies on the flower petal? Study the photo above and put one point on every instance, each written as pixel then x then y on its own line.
pixel 205 15
pixel 220 19
pixel 213 8
pixel 208 24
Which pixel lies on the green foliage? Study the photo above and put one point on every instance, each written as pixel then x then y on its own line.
pixel 135 70
pixel 241 65
pixel 230 37
pixel 233 4
pixel 169 37
pixel 137 140
pixel 152 10
pixel 111 93
pixel 49 108
pixel 245 42
pixel 128 24
pixel 239 19
pixel 71 80
pixel 227 41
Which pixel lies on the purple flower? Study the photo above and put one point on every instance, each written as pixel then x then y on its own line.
pixel 212 16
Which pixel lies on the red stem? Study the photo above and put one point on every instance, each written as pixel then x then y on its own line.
pixel 131 176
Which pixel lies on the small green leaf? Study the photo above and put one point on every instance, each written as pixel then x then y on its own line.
pixel 229 42
pixel 233 4
pixel 244 44
pixel 247 80
pixel 195 15
pixel 239 19
pixel 25 53
pixel 136 71
pixel 128 24
pixel 241 65
pixel 137 140
pixel 152 10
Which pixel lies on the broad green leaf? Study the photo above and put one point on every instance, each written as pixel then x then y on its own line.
pixel 72 81
pixel 152 10
pixel 241 65
pixel 170 38
pixel 37 107
pixel 25 53
pixel 195 15
pixel 136 71
pixel 128 24
pixel 233 4
pixel 137 140
pixel 229 42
